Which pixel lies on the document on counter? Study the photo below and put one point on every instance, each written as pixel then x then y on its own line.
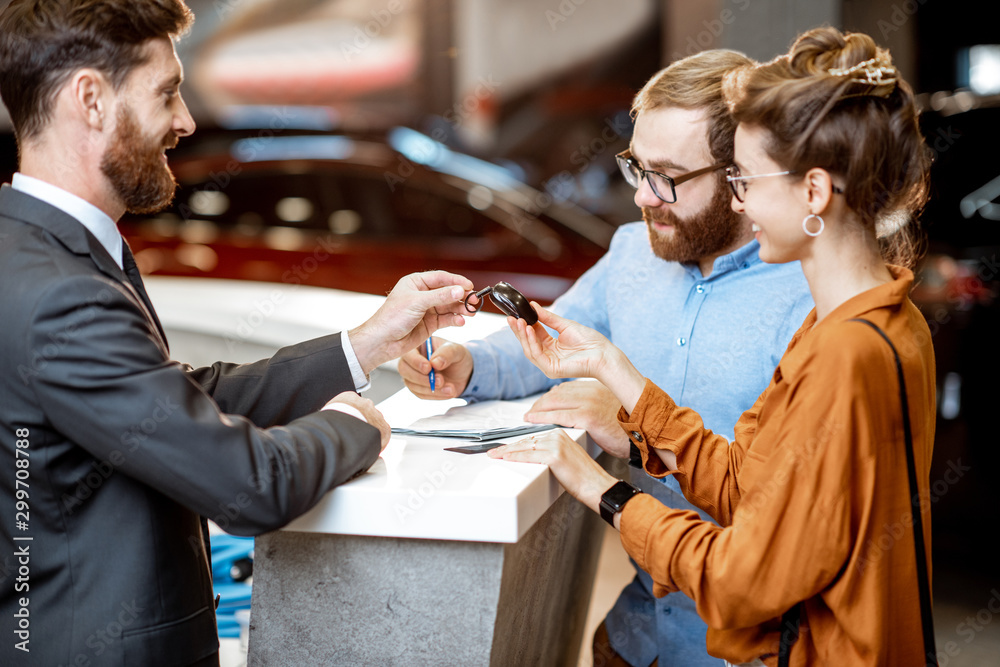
pixel 454 418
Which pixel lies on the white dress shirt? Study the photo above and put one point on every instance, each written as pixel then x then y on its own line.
pixel 94 219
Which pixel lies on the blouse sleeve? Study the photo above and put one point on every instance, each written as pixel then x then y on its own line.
pixel 708 464
pixel 790 534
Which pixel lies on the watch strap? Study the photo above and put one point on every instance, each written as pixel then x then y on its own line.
pixel 634 456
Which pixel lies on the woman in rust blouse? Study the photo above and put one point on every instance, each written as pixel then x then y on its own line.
pixel 812 495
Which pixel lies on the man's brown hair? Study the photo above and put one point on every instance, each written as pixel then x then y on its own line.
pixel 695 82
pixel 43 42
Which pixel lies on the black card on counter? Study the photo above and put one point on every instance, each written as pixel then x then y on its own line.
pixel 475 449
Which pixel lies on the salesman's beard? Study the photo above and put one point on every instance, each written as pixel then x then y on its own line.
pixel 703 234
pixel 135 168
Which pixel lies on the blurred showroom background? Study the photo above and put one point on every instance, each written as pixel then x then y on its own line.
pixel 344 143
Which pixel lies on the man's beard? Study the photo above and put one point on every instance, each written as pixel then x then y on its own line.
pixel 703 234
pixel 135 167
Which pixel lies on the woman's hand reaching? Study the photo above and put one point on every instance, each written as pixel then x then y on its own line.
pixel 579 351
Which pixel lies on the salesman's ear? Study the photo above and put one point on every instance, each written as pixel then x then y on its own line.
pixel 90 96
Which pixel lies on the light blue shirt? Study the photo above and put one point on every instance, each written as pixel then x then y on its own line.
pixel 711 343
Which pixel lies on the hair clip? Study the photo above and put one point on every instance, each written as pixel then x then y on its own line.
pixel 873 72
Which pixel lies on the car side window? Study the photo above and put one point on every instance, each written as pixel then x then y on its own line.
pixel 350 205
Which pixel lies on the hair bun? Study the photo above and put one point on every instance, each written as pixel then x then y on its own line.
pixel 844 59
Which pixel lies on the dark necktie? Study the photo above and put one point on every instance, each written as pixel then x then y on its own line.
pixel 135 280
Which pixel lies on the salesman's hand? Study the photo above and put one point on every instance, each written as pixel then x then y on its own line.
pixel 452 369
pixel 419 304
pixel 368 412
pixel 583 404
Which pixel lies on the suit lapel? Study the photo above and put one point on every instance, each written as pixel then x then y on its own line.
pixel 71 233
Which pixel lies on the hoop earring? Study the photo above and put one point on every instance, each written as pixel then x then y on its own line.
pixel 805 225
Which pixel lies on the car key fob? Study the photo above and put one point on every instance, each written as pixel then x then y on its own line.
pixel 505 297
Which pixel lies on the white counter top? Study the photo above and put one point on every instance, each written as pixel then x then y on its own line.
pixel 418 490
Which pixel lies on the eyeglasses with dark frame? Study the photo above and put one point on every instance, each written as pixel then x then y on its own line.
pixel 738 182
pixel 661 184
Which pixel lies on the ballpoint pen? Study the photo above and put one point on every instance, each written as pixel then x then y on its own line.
pixel 430 351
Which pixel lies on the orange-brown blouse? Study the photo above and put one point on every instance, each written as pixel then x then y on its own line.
pixel 812 494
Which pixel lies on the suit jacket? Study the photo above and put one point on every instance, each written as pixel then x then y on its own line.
pixel 117 452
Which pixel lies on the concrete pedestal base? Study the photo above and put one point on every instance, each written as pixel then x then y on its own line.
pixel 321 599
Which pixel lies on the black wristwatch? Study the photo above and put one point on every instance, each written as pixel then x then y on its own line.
pixel 614 499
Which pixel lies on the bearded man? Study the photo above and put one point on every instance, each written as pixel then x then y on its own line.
pixel 684 295
pixel 112 452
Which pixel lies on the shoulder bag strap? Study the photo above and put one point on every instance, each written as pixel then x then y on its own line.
pixel 923 580
pixel 790 619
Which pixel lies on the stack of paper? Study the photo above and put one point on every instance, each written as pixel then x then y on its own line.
pixel 477 422
pixel 476 435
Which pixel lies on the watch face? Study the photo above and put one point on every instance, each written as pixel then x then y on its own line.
pixel 616 497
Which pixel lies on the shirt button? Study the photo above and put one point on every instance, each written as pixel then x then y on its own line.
pixel 637 436
pixel 700 289
pixel 681 342
pixel 666 611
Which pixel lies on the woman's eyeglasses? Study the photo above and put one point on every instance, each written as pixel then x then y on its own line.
pixel 738 182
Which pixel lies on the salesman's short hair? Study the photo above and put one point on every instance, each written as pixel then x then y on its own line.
pixel 44 42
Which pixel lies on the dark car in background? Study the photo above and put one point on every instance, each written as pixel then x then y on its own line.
pixel 357 213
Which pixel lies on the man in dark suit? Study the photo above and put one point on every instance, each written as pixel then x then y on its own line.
pixel 112 453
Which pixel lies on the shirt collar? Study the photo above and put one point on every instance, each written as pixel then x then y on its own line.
pixel 94 219
pixel 889 294
pixel 742 258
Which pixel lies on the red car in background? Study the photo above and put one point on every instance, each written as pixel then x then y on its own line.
pixel 359 213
